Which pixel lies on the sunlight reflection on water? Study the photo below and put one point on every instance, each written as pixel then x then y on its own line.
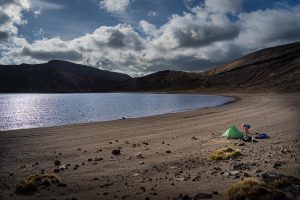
pixel 19 111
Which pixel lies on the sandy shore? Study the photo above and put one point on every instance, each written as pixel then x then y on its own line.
pixel 155 174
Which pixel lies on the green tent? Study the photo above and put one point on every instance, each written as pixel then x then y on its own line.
pixel 232 132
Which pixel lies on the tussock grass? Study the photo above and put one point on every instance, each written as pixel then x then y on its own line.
pixel 226 153
pixel 281 182
pixel 244 189
pixel 252 189
pixel 30 184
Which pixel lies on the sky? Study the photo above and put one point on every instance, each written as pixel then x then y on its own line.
pixel 139 37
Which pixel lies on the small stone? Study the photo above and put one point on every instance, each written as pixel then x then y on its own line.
pixel 276 165
pixel 90 159
pixel 139 155
pixel 194 138
pixel 200 195
pixel 186 197
pixel 168 151
pixel 141 163
pixel 246 174
pixel 226 174
pixel 215 192
pixel 56 170
pixel 57 163
pixel 143 188
pixel 61 185
pixel 116 152
pixel 234 173
pixel 98 159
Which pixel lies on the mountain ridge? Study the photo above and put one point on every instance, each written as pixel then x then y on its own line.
pixel 271 69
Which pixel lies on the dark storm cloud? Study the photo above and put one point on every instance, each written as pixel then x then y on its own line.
pixel 3 36
pixel 50 55
pixel 196 36
pixel 4 18
pixel 6 2
pixel 118 37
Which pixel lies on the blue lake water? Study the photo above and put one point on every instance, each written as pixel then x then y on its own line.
pixel 20 111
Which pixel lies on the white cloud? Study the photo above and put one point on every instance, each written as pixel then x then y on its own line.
pixel 197 29
pixel 10 16
pixel 263 28
pixel 37 12
pixel 114 6
pixel 152 14
pixel 147 27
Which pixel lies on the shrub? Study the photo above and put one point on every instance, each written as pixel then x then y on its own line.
pixel 281 182
pixel 31 183
pixel 252 189
pixel 226 153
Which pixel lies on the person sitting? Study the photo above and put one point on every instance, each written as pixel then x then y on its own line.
pixel 246 128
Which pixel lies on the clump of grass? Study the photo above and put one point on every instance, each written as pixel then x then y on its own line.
pixel 252 189
pixel 30 184
pixel 281 182
pixel 244 188
pixel 226 153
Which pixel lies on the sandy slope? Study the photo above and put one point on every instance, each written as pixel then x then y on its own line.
pixel 185 170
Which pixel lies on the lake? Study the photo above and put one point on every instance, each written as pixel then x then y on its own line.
pixel 21 111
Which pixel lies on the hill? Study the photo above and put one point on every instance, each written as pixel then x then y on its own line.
pixel 271 69
pixel 275 69
pixel 58 76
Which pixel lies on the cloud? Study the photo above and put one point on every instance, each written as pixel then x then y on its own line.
pixel 224 6
pixel 49 55
pixel 204 37
pixel 152 14
pixel 3 36
pixel 196 29
pixel 45 5
pixel 120 36
pixel 11 16
pixel 147 27
pixel 269 27
pixel 114 6
pixel 37 12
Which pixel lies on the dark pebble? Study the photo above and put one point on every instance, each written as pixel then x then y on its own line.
pixel 57 163
pixel 61 185
pixel 116 152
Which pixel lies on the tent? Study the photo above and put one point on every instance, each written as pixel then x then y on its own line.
pixel 232 132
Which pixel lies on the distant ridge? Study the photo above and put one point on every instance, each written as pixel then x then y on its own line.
pixel 271 69
pixel 58 76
